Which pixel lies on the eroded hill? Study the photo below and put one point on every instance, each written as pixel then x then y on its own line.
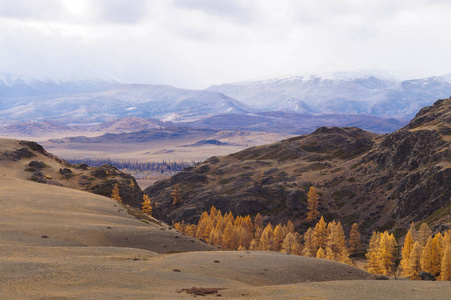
pixel 30 161
pixel 379 181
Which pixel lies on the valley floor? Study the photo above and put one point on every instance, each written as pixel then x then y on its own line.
pixel 58 243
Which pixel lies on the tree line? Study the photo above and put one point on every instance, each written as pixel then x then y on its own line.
pixel 421 251
pixel 157 166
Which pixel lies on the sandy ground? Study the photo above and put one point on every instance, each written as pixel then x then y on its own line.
pixel 60 243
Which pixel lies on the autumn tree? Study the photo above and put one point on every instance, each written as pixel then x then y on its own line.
pixel 260 178
pixel 313 204
pixel 423 234
pixel 176 196
pixel 309 244
pixel 115 193
pixel 279 236
pixel 445 273
pixel 290 244
pixel 355 240
pixel 372 261
pixel 387 253
pixel 431 256
pixel 146 205
pixel 320 234
pixel 415 260
pixel 320 253
pixel 406 250
pixel 258 221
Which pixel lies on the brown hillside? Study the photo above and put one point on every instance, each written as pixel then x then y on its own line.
pixel 381 182
pixel 30 161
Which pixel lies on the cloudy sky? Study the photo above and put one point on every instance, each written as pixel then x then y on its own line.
pixel 196 43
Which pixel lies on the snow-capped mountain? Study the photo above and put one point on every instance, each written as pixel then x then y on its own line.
pixel 98 101
pixel 343 93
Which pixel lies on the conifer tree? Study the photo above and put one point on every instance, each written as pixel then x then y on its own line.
pixel 290 245
pixel 431 256
pixel 279 236
pixel 309 244
pixel 387 253
pixel 415 260
pixel 445 273
pixel 290 227
pixel 227 236
pixel 372 262
pixel 267 239
pixel 176 196
pixel 258 221
pixel 254 245
pixel 146 205
pixel 313 204
pixel 355 240
pixel 413 232
pixel 260 178
pixel 320 234
pixel 320 253
pixel 423 234
pixel 406 250
pixel 115 193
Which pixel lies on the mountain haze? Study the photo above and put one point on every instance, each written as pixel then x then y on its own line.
pixel 340 93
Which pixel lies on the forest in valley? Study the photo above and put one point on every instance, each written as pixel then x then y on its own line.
pixel 155 170
pixel 421 252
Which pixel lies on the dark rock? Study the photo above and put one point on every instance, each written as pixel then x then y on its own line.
pixel 18 154
pixel 39 165
pixel 64 171
pixel 106 171
pixel 82 167
pixel 426 276
pixel 130 195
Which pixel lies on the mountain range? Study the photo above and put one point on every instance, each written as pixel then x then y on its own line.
pixel 296 104
pixel 340 93
pixel 381 182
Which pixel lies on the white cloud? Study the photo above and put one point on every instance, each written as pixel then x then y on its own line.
pixel 194 43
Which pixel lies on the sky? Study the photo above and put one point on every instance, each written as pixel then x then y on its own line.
pixel 197 43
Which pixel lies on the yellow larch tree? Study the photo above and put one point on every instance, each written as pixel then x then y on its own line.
pixel 406 249
pixel 258 221
pixel 415 260
pixel 267 239
pixel 227 236
pixel 423 234
pixel 176 196
pixel 431 256
pixel 445 273
pixel 313 205
pixel 372 260
pixel 320 253
pixel 355 240
pixel 290 226
pixel 320 234
pixel 290 244
pixel 146 205
pixel 279 236
pixel 309 244
pixel 387 253
pixel 115 193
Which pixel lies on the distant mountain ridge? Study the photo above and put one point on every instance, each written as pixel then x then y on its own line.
pixel 359 94
pixel 100 101
pixel 282 103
